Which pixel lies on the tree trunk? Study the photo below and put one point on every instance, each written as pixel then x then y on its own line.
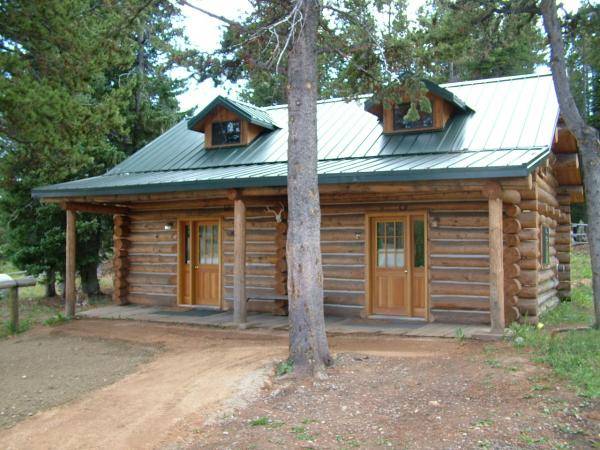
pixel 89 279
pixel 309 350
pixel 587 140
pixel 50 284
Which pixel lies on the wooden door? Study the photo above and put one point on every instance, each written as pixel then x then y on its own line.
pixel 398 270
pixel 200 263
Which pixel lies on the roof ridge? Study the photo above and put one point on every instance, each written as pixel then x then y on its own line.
pixel 496 79
pixel 444 85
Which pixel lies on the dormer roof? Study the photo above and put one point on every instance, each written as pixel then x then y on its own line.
pixel 252 114
pixel 437 90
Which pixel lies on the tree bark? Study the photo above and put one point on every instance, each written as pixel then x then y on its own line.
pixel 89 279
pixel 50 284
pixel 587 140
pixel 309 350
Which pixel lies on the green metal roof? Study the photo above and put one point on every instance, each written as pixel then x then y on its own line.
pixel 251 113
pixel 509 131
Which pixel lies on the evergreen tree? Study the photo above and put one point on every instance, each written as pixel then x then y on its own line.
pixel 582 41
pixel 85 84
pixel 468 39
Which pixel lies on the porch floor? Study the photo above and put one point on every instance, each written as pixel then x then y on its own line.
pixel 334 325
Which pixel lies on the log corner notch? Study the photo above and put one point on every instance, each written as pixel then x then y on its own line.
pixel 497 317
pixel 240 301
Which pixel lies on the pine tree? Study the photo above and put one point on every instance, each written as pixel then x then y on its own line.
pixel 85 84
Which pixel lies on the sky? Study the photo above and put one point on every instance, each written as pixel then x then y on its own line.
pixel 204 33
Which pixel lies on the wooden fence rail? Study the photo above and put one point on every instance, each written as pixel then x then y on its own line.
pixel 13 285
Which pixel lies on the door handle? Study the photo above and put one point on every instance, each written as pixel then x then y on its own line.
pixel 406 271
pixel 196 267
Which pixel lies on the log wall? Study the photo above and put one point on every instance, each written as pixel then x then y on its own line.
pixel 458 249
pixel 459 264
pixel 540 208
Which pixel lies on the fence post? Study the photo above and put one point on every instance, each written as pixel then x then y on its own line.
pixel 13 307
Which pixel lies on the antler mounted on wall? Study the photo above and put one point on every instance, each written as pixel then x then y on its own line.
pixel 278 215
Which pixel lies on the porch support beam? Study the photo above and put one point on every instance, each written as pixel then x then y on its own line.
pixel 70 271
pixel 496 261
pixel 239 261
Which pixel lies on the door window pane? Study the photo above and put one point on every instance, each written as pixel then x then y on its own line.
pixel 187 244
pixel 390 244
pixel 419 242
pixel 209 244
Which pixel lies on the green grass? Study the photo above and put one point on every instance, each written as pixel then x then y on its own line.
pixel 56 320
pixel 573 355
pixel 284 367
pixel 35 308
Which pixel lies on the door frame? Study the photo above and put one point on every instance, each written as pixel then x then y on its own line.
pixel 368 308
pixel 181 253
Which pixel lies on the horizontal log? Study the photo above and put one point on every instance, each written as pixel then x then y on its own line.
pixel 467 234
pixel 459 221
pixel 152 258
pixel 529 234
pixel 459 261
pixel 529 249
pixel 511 196
pixel 530 263
pixel 151 237
pixel 460 316
pixel 529 219
pixel 575 193
pixel 152 299
pixel 460 274
pixel 154 268
pixel 166 248
pixel 152 289
pixel 459 288
pixel 140 278
pixel 458 248
pixel 462 302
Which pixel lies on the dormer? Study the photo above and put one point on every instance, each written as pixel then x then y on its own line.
pixel 230 123
pixel 444 104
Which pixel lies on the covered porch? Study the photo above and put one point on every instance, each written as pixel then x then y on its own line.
pixel 150 251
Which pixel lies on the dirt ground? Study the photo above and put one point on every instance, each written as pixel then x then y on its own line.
pixel 194 387
pixel 193 376
pixel 416 394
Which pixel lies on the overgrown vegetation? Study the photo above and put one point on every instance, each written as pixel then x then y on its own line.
pixel 575 354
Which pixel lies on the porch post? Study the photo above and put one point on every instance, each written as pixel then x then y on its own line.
pixel 239 261
pixel 70 292
pixel 496 262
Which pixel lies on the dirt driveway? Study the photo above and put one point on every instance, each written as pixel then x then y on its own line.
pixel 207 388
pixel 192 375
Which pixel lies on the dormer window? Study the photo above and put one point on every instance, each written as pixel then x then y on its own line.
pixel 226 133
pixel 444 105
pixel 231 123
pixel 400 123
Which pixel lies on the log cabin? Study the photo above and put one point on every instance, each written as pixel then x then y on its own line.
pixel 461 216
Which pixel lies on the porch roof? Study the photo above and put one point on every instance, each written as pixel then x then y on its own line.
pixel 488 164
